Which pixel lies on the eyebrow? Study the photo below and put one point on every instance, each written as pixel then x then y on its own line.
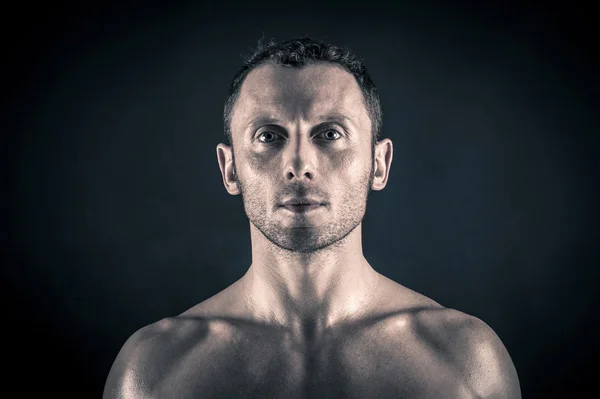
pixel 263 120
pixel 336 117
pixel 331 117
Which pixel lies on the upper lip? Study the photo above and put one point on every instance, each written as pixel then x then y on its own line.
pixel 301 201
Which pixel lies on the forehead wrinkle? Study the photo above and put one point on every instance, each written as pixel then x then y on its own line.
pixel 286 94
pixel 308 108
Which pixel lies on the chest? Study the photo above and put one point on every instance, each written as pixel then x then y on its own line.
pixel 351 370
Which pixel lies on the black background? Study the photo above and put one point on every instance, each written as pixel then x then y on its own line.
pixel 117 217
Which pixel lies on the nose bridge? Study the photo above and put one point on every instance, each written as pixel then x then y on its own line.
pixel 299 154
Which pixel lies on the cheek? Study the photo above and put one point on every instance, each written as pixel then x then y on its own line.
pixel 351 166
pixel 258 166
pixel 348 165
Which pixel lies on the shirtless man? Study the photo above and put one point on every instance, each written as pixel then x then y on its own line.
pixel 310 318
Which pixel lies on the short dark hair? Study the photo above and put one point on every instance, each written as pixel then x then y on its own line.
pixel 297 53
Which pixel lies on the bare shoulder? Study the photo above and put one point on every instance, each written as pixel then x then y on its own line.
pixel 461 342
pixel 147 356
pixel 472 349
pixel 225 304
pixel 396 298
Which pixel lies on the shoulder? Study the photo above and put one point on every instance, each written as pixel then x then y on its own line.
pixel 148 354
pixel 472 349
pixel 154 353
pixel 463 342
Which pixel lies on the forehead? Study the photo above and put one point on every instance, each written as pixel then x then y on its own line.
pixel 306 93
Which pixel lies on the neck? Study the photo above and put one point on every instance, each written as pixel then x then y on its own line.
pixel 309 292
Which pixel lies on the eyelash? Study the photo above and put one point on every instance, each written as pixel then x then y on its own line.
pixel 277 134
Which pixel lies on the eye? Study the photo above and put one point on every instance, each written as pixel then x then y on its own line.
pixel 331 134
pixel 267 136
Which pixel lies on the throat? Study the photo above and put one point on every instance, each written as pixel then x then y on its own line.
pixel 307 308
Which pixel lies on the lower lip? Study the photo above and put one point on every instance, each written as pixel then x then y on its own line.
pixel 301 208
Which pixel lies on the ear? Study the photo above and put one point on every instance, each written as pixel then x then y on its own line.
pixel 225 158
pixel 384 152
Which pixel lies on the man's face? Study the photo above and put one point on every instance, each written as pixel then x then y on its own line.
pixel 298 133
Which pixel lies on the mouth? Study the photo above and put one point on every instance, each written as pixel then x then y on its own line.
pixel 301 208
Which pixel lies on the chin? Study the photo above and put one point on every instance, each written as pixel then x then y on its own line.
pixel 305 244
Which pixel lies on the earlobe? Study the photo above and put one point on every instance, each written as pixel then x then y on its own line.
pixel 228 173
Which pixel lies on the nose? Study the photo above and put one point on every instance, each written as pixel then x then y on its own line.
pixel 299 160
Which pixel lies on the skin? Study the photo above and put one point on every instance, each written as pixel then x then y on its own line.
pixel 311 317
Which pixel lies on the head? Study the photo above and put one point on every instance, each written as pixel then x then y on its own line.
pixel 303 120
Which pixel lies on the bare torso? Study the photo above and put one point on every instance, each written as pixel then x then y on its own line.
pixel 410 348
